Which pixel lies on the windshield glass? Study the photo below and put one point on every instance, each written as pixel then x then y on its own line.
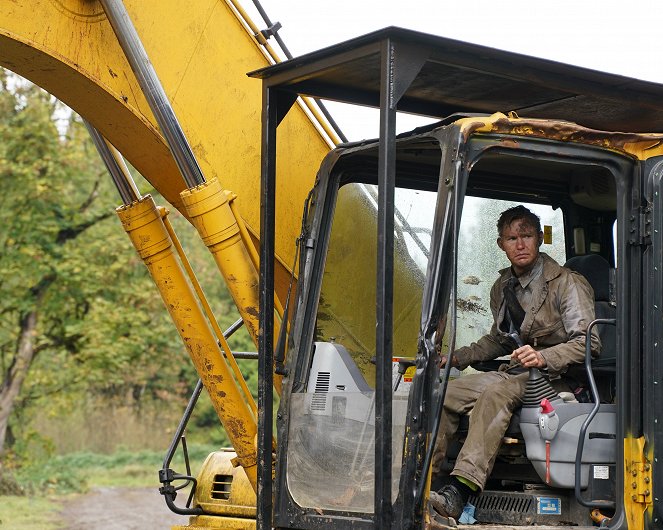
pixel 346 311
pixel 331 465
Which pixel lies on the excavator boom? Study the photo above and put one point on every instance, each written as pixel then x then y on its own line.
pixel 170 93
pixel 201 59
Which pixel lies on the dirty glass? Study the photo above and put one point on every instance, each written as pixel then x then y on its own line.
pixel 331 464
pixel 480 260
pixel 332 425
pixel 346 311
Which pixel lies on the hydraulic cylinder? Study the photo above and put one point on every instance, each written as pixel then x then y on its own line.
pixel 208 208
pixel 143 222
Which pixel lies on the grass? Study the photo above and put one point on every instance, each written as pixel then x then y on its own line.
pixel 61 476
pixel 29 513
pixel 77 472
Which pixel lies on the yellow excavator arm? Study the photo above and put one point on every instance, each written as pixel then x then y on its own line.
pixel 201 53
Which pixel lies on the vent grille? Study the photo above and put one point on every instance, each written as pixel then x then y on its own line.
pixel 600 184
pixel 221 487
pixel 319 400
pixel 503 503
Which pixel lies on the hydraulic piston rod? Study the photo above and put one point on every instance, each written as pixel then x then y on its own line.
pixel 116 166
pixel 154 93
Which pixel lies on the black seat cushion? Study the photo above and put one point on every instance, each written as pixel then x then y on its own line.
pixel 597 271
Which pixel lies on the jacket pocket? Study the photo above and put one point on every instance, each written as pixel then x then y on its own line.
pixel 544 334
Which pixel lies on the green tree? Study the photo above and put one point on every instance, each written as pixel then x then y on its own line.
pixel 79 315
pixel 49 198
pixel 76 301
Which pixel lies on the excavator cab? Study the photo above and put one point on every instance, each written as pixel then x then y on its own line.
pixel 396 259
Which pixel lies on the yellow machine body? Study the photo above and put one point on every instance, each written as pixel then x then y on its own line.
pixel 201 59
pixel 226 494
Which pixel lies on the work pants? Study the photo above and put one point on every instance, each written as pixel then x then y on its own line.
pixel 492 397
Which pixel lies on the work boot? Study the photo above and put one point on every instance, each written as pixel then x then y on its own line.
pixel 448 502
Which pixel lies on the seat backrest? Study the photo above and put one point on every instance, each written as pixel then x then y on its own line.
pixel 596 270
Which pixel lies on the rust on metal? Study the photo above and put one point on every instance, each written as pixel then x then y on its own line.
pixel 638 145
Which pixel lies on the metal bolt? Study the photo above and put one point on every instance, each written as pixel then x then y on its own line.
pixel 647 480
pixel 634 498
pixel 634 473
pixel 647 493
pixel 648 466
pixel 634 485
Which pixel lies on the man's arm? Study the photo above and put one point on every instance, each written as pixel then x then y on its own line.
pixel 487 348
pixel 576 303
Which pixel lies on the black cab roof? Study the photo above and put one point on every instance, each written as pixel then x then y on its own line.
pixel 441 76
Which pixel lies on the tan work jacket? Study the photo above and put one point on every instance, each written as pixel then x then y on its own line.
pixel 562 306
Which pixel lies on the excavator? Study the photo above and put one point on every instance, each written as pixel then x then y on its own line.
pixel 355 265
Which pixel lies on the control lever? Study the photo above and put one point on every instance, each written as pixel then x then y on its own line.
pixel 516 338
pixel 534 373
pixel 548 425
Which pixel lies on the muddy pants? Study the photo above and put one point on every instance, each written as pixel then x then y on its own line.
pixel 492 397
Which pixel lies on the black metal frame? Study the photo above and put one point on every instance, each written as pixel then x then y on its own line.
pixel 652 386
pixel 425 393
pixel 629 315
pixel 400 63
pixel 167 475
pixel 585 424
pixel 534 87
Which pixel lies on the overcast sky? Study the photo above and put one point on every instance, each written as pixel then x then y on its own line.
pixel 618 37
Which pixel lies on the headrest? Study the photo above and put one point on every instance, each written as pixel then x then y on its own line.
pixel 597 271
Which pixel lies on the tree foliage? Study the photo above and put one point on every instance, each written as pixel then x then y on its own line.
pixel 79 315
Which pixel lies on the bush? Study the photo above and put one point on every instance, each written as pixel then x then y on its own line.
pixel 9 485
pixel 55 475
pixel 76 472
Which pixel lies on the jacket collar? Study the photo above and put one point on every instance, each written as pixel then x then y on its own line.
pixel 551 269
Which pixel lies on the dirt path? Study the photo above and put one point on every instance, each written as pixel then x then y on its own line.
pixel 119 509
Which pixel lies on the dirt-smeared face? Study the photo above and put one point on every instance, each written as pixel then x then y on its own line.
pixel 520 242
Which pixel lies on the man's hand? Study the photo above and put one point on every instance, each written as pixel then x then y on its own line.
pixel 528 357
pixel 454 361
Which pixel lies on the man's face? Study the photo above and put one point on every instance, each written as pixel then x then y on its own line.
pixel 520 242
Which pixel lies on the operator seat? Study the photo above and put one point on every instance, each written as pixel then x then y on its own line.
pixel 596 270
pixel 555 459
